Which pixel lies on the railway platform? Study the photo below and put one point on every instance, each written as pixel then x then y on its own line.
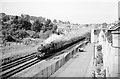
pixel 81 65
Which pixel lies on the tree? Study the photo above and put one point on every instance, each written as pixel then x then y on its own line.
pixel 44 28
pixel 55 21
pixel 5 18
pixel 25 17
pixel 37 26
pixel 14 26
pixel 25 24
pixel 47 22
pixel 68 22
pixel 86 25
pixel 54 28
pixel 15 20
pixel 104 25
pixel 5 26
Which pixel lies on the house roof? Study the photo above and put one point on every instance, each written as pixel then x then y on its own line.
pixel 114 27
pixel 115 32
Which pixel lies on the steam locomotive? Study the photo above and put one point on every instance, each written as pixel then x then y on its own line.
pixel 56 46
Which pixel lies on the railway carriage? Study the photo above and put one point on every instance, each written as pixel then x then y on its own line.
pixel 55 46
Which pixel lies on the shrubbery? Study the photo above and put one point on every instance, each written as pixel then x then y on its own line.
pixel 99 48
pixel 35 35
pixel 96 32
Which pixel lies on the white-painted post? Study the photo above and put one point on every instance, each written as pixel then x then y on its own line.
pixel 92 36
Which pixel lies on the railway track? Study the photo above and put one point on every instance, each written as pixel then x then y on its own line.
pixel 20 64
pixel 17 62
pixel 4 63
pixel 20 68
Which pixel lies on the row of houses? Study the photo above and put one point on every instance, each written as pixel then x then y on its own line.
pixel 109 40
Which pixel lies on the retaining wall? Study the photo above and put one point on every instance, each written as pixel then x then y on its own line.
pixel 48 71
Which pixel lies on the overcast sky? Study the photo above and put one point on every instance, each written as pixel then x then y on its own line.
pixel 75 11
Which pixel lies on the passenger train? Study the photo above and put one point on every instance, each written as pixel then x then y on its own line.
pixel 49 49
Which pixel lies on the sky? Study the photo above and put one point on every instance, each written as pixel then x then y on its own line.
pixel 75 11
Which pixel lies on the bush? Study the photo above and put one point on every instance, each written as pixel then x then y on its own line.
pixel 35 35
pixel 9 39
pixel 21 34
pixel 96 32
pixel 99 47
